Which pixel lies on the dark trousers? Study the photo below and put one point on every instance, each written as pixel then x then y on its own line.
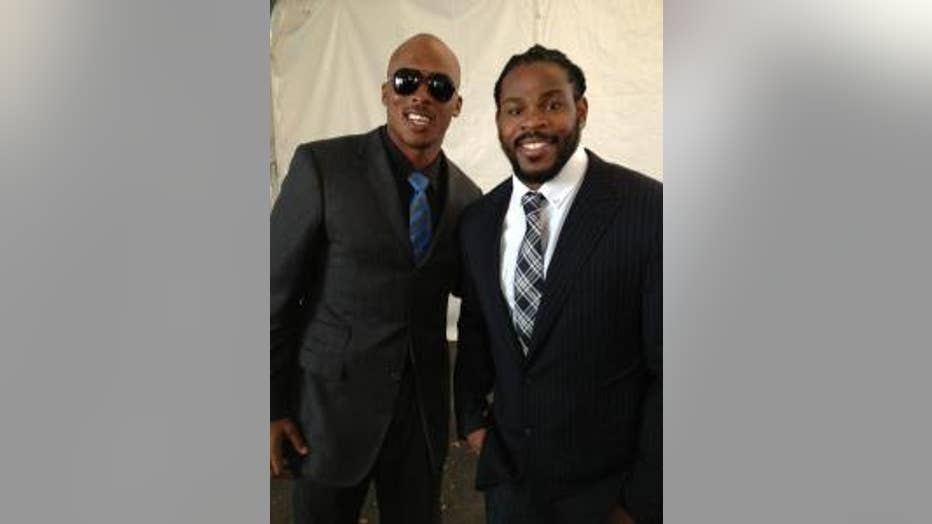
pixel 407 487
pixel 517 504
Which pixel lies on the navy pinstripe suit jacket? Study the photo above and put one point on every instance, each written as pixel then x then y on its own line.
pixel 585 404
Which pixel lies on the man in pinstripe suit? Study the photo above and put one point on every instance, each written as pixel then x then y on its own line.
pixel 561 316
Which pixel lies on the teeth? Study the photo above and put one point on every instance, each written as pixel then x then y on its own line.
pixel 421 119
pixel 533 146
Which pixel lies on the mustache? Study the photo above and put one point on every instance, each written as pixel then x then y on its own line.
pixel 535 136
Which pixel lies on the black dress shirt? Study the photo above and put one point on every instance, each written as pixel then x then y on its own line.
pixel 436 172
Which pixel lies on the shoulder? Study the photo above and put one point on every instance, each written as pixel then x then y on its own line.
pixel 487 206
pixel 629 187
pixel 324 157
pixel 623 178
pixel 463 186
pixel 335 147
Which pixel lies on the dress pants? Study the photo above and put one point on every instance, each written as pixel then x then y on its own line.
pixel 407 487
pixel 517 504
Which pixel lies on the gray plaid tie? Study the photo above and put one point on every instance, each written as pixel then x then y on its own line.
pixel 529 273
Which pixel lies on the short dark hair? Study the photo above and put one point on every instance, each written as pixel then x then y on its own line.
pixel 539 53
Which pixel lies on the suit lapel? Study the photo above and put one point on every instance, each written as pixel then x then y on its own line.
pixel 490 268
pixel 449 206
pixel 585 224
pixel 379 174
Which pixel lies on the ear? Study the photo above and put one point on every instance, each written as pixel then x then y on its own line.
pixel 385 93
pixel 582 110
pixel 459 105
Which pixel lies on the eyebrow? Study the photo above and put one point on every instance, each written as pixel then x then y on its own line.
pixel 551 93
pixel 546 94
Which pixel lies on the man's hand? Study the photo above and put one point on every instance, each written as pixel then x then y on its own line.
pixel 476 440
pixel 620 516
pixel 281 429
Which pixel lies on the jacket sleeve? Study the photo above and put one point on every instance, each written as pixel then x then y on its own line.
pixel 296 224
pixel 473 371
pixel 641 494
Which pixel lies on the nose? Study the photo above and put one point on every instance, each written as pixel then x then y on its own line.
pixel 420 94
pixel 533 119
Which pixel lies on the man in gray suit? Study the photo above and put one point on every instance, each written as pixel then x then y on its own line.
pixel 363 259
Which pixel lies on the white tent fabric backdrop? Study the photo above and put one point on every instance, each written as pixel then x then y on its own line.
pixel 328 60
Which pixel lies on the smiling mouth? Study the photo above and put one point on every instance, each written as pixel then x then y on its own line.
pixel 534 146
pixel 418 119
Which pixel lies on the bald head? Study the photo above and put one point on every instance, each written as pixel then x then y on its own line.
pixel 417 116
pixel 425 48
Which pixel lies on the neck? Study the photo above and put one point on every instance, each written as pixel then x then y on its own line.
pixel 420 158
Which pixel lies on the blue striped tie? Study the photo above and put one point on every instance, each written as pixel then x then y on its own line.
pixel 419 222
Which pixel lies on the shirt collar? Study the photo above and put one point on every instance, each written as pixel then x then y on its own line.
pixel 401 167
pixel 558 188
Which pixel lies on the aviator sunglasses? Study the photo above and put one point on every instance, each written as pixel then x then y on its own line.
pixel 406 81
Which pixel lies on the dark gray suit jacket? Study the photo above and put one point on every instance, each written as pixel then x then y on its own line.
pixel 585 405
pixel 349 306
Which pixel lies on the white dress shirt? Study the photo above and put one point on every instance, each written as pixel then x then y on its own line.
pixel 560 192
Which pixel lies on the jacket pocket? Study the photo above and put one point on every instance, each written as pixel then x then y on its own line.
pixel 494 465
pixel 624 374
pixel 323 349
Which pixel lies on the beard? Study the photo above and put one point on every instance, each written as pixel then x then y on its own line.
pixel 564 152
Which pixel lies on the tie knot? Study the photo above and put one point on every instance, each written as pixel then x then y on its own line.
pixel 418 181
pixel 532 202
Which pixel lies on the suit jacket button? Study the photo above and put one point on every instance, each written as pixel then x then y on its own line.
pixel 527 381
pixel 528 431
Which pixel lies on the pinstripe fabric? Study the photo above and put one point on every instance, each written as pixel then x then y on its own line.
pixel 584 406
pixel 419 221
pixel 529 273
